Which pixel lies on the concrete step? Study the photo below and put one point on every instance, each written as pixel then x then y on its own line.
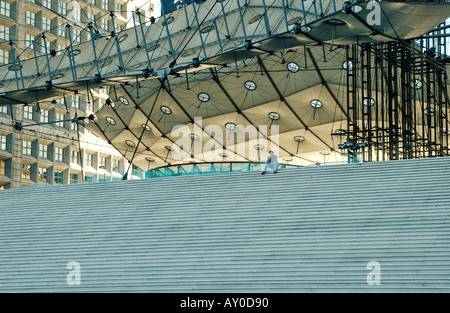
pixel 304 229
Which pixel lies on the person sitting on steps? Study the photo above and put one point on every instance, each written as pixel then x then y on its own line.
pixel 272 162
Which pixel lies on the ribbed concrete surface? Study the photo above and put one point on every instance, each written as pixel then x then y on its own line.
pixel 310 229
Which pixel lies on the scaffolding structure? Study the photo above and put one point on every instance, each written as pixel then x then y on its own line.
pixel 397 100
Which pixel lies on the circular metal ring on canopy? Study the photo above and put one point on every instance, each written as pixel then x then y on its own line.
pixel 166 110
pixel 250 85
pixel 146 127
pixel 316 104
pixel 274 116
pixel 230 126
pixel 123 100
pixel 122 38
pixel 203 97
pixel 299 138
pixel 110 120
pixel 194 137
pixel 293 67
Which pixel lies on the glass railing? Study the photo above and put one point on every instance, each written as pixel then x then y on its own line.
pixel 209 168
pixel 171 170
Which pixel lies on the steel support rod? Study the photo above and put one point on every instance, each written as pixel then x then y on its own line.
pixel 138 14
pixel 70 54
pixel 116 39
pixel 93 48
pixel 166 25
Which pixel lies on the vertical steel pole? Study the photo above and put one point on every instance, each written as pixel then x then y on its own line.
pixel 71 56
pixel 116 39
pixel 93 48
pixel 35 58
pixel 138 14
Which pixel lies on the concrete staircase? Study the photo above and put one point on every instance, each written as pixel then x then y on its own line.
pixel 301 230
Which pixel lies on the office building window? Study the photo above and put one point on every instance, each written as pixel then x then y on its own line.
pixel 58 177
pixel 26 147
pixel 2 142
pixel 4 57
pixel 103 90
pixel 88 179
pixel 5 8
pixel 4 32
pixel 118 28
pixel 48 44
pixel 42 174
pixel 29 41
pixel 43 117
pixel 46 24
pixel 3 109
pixel 73 126
pixel 2 167
pixel 26 171
pixel 75 14
pixel 62 8
pixel 115 165
pixel 59 154
pixel 90 106
pixel 73 178
pixel 89 160
pixel 43 151
pixel 104 24
pixel 61 30
pixel 76 35
pixel 47 3
pixel 102 162
pixel 91 17
pixel 134 170
pixel 75 102
pixel 28 112
pixel 105 5
pixel 60 49
pixel 59 117
pixel 118 8
pixel 31 18
pixel 75 157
